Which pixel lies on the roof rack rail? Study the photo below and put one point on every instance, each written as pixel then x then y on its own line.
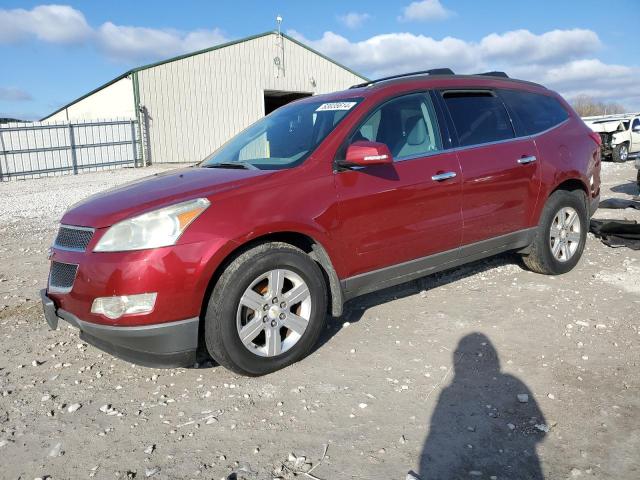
pixel 433 71
pixel 494 74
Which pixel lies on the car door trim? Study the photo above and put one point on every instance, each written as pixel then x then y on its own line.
pixel 403 272
pixel 514 139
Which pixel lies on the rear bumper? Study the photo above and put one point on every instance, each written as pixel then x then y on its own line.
pixel 171 344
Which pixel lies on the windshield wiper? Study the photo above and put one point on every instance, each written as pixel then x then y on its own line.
pixel 238 165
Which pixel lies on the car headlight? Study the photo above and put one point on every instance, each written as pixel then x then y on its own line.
pixel 159 228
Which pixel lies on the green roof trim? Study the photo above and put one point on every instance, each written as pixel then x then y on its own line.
pixel 198 52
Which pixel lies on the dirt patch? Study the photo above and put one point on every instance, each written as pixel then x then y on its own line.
pixel 429 376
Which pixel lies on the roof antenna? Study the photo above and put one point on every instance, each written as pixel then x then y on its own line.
pixel 278 60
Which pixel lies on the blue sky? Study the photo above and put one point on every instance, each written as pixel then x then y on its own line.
pixel 51 54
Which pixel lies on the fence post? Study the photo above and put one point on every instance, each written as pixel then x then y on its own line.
pixel 4 154
pixel 72 145
pixel 133 143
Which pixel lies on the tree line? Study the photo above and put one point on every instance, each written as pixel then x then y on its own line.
pixel 587 106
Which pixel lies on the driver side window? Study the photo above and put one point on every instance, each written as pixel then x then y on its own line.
pixel 407 125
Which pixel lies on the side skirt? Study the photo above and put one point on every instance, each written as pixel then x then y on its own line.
pixel 421 267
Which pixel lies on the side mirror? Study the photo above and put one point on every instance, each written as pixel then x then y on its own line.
pixel 636 129
pixel 364 153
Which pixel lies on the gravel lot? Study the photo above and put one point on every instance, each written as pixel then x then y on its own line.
pixel 486 371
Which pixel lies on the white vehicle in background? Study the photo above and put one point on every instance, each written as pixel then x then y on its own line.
pixel 620 134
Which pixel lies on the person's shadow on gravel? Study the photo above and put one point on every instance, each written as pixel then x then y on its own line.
pixel 483 425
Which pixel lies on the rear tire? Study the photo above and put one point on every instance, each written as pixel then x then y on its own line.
pixel 620 153
pixel 289 297
pixel 561 236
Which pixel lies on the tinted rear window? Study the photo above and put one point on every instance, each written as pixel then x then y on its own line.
pixel 479 117
pixel 535 112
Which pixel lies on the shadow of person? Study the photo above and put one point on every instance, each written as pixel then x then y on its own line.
pixel 480 428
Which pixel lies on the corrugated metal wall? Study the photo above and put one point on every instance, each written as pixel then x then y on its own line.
pixel 197 103
pixel 113 101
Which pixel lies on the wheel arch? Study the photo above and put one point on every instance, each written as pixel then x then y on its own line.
pixel 302 241
pixel 571 184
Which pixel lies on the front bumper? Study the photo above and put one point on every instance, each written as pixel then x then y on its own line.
pixel 170 344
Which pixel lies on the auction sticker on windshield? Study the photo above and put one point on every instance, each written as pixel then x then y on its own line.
pixel 325 107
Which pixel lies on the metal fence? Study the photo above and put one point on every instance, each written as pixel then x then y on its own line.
pixel 39 149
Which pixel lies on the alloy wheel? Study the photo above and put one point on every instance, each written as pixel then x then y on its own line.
pixel 565 234
pixel 273 312
pixel 624 153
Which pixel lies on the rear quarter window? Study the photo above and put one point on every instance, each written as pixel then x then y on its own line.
pixel 535 112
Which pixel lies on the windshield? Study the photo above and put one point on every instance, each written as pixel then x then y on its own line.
pixel 283 139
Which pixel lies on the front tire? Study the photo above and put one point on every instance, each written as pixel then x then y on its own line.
pixel 561 234
pixel 620 153
pixel 266 311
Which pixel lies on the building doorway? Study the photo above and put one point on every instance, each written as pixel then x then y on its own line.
pixel 275 99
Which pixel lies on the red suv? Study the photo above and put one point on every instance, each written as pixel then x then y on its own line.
pixel 323 200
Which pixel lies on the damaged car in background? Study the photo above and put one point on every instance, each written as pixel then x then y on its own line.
pixel 620 135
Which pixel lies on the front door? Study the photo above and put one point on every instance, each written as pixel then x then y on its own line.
pixel 390 214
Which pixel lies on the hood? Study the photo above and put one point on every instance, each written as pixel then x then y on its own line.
pixel 111 206
pixel 605 127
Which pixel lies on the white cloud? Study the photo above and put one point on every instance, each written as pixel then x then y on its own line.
pixel 129 44
pixel 14 94
pixel 553 46
pixel 63 24
pixel 49 23
pixel 564 60
pixel 424 10
pixel 354 19
pixel 594 78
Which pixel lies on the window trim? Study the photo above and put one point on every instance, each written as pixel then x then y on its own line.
pixel 515 139
pixel 428 93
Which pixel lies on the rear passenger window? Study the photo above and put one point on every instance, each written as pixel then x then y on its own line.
pixel 479 117
pixel 535 112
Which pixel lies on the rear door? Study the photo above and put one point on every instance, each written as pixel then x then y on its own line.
pixel 499 171
pixel 391 214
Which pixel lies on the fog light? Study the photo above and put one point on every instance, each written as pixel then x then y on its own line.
pixel 115 307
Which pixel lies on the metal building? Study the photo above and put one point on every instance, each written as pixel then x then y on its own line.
pixel 189 105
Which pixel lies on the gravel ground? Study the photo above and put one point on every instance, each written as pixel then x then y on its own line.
pixel 487 371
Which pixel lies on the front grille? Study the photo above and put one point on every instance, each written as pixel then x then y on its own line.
pixel 73 238
pixel 62 276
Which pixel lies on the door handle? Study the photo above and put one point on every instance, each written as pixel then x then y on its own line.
pixel 525 160
pixel 443 176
